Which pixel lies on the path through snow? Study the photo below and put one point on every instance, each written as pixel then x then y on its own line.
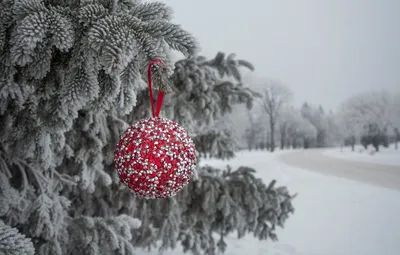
pixel 387 176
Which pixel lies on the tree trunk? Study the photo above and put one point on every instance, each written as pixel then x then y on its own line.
pixel 288 142
pixel 283 136
pixel 306 143
pixel 272 136
pixel 353 142
pixel 376 146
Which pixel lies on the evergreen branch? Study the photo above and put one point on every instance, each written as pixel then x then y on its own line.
pixel 22 165
pixel 106 234
pixel 21 8
pixel 90 14
pixel 246 64
pixel 30 32
pixel 152 11
pixel 64 178
pixel 172 34
pixel 12 242
pixel 3 165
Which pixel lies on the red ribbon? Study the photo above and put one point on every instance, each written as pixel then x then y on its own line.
pixel 160 97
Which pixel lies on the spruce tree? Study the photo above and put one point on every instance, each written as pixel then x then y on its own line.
pixel 71 81
pixel 207 90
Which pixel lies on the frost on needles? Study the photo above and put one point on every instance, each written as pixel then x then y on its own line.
pixel 71 80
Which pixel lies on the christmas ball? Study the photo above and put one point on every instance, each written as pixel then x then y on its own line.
pixel 155 158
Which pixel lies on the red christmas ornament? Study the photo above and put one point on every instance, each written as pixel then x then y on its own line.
pixel 155 157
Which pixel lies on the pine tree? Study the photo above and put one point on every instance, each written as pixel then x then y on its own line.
pixel 71 81
pixel 207 90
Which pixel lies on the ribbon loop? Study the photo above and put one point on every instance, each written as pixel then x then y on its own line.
pixel 160 95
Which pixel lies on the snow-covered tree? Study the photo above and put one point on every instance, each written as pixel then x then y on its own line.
pixel 395 113
pixel 206 91
pixel 71 81
pixel 396 137
pixel 370 107
pixel 285 123
pixel 314 115
pixel 252 133
pixel 275 96
pixel 294 130
pixel 333 133
pixel 69 71
pixel 348 129
pixel 325 122
pixel 369 112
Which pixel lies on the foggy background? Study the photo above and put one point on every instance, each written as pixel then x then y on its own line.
pixel 324 51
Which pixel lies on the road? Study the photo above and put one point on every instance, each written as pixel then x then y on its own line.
pixel 314 160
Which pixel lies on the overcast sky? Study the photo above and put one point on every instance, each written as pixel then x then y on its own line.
pixel 324 50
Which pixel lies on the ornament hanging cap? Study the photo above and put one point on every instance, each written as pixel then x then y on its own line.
pixel 158 70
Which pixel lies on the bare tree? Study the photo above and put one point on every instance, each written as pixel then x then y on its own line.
pixel 251 132
pixel 275 96
pixel 285 124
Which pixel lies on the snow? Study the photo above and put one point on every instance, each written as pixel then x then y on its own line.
pixel 333 216
pixel 386 156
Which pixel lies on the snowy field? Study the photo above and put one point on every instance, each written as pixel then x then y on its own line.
pixel 386 156
pixel 333 216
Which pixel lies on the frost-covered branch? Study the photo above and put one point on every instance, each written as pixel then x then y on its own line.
pixel 70 72
pixel 102 235
pixel 12 242
pixel 223 202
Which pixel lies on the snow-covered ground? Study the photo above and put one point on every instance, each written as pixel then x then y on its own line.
pixel 333 216
pixel 386 156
